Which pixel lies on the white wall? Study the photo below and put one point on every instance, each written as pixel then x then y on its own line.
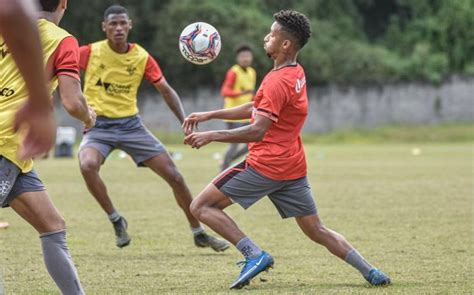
pixel 335 107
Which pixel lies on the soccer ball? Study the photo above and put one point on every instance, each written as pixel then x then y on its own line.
pixel 200 43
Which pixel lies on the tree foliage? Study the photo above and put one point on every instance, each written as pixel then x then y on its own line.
pixel 354 41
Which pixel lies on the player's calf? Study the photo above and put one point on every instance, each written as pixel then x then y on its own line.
pixel 339 246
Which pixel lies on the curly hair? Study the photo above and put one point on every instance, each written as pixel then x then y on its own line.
pixel 295 23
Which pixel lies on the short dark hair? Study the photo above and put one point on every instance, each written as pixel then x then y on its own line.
pixel 115 9
pixel 295 23
pixel 243 47
pixel 49 5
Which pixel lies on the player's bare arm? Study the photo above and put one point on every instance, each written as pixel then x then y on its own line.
pixel 250 133
pixel 18 29
pixel 240 112
pixel 171 98
pixel 74 102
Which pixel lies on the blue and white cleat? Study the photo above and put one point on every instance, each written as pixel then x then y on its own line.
pixel 252 267
pixel 377 278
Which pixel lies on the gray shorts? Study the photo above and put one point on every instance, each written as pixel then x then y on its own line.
pixel 14 183
pixel 127 134
pixel 245 186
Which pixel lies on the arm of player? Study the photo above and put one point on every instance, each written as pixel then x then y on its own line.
pixel 171 98
pixel 250 133
pixel 74 102
pixel 236 113
pixel 18 29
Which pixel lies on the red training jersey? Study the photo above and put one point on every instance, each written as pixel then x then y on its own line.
pixel 283 99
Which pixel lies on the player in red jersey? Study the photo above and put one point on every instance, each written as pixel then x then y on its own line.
pixel 276 164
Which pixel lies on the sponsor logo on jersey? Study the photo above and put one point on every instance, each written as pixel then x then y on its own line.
pixel 113 88
pixel 300 84
pixel 6 92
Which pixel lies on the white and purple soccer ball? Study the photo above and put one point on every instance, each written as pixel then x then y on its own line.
pixel 200 43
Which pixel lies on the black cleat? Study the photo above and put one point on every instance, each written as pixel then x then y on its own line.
pixel 204 240
pixel 120 227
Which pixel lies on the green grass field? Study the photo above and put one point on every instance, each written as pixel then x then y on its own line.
pixel 412 215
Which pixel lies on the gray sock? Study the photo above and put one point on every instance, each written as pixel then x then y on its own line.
pixel 248 248
pixel 356 260
pixel 59 262
pixel 197 231
pixel 115 216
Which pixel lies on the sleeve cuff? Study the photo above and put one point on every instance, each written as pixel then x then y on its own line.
pixel 157 80
pixel 267 114
pixel 70 73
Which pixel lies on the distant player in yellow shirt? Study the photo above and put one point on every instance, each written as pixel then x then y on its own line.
pixel 20 186
pixel 114 69
pixel 238 89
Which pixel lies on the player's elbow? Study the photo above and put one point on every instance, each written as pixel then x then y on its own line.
pixel 224 92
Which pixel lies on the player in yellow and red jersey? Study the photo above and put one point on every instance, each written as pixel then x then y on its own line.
pixel 276 164
pixel 114 69
pixel 16 19
pixel 238 89
pixel 20 186
pixel 20 34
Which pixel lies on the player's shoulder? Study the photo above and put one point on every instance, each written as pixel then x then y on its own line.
pixel 97 44
pixel 140 49
pixel 49 30
pixel 284 77
pixel 290 74
pixel 235 68
pixel 136 51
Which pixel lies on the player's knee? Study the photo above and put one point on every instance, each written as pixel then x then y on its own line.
pixel 89 166
pixel 196 208
pixel 60 223
pixel 55 223
pixel 175 178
